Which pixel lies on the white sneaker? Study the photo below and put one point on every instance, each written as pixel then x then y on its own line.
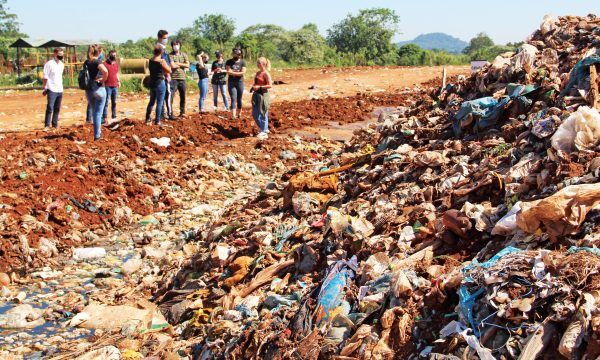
pixel 262 136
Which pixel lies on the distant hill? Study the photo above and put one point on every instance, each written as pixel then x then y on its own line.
pixel 438 41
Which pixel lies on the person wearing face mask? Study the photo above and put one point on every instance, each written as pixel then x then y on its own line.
pixel 218 80
pixel 53 87
pixel 112 85
pixel 163 40
pixel 236 68
pixel 179 63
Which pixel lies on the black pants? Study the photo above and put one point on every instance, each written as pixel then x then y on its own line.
pixel 236 89
pixel 178 86
pixel 53 108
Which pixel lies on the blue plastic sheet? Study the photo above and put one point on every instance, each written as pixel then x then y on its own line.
pixel 493 260
pixel 332 293
pixel 580 71
pixel 574 249
pixel 467 302
pixel 486 112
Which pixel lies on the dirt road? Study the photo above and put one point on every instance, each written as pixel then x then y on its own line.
pixel 24 110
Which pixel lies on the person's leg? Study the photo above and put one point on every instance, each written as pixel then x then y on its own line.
pixel 203 92
pixel 182 90
pixel 51 97
pixel 266 122
pixel 256 117
pixel 113 101
pixel 99 102
pixel 202 95
pixel 150 104
pixel 89 117
pixel 240 93
pixel 161 92
pixel 168 100
pixel 224 95
pixel 231 87
pixel 56 112
pixel 215 95
pixel 105 110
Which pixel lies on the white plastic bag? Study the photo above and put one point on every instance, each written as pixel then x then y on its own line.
pixel 580 131
pixel 508 224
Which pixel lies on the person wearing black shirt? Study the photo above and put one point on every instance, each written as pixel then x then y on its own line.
pixel 159 71
pixel 236 68
pixel 218 80
pixel 96 92
pixel 202 80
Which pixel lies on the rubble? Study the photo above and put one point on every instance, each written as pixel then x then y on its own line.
pixel 463 226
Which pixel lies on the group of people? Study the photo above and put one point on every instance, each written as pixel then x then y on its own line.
pixel 167 77
pixel 101 86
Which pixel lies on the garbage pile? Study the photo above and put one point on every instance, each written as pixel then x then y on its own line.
pixel 464 226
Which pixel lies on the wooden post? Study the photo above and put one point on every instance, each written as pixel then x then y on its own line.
pixel 18 63
pixel 594 96
pixel 444 78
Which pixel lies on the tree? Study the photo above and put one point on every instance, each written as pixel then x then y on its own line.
pixel 370 32
pixel 9 28
pixel 305 46
pixel 482 40
pixel 410 55
pixel 215 27
pixel 9 23
pixel 270 39
pixel 249 46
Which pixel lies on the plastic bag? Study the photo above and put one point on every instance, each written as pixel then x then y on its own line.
pixel 561 213
pixel 580 131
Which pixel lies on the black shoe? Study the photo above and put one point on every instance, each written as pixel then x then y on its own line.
pixel 171 117
pixel 148 121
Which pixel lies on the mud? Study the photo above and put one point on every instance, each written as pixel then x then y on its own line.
pixel 40 170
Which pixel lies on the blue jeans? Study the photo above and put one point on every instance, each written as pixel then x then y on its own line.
pixel 236 90
pixel 53 108
pixel 262 121
pixel 112 93
pixel 157 95
pixel 203 86
pixel 89 118
pixel 216 89
pixel 99 97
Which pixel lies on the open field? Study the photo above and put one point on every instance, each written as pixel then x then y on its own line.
pixel 24 110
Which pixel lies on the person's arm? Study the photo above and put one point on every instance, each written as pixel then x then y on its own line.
pixel 236 73
pixel 186 62
pixel 165 66
pixel 174 64
pixel 45 77
pixel 269 82
pixel 104 72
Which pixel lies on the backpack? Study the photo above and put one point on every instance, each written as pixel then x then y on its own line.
pixel 83 78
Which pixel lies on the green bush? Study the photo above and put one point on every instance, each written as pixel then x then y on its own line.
pixel 132 85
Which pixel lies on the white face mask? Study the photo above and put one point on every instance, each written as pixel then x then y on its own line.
pixel 164 41
pixel 176 47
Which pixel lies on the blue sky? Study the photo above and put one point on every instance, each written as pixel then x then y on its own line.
pixel 119 20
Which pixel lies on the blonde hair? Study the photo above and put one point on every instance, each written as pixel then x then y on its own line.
pixel 265 62
pixel 94 51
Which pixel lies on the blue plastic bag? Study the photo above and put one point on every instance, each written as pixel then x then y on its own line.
pixel 331 295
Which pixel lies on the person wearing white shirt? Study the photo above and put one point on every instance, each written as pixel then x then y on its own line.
pixel 53 87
